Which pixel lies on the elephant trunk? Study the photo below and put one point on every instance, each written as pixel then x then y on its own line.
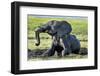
pixel 37 38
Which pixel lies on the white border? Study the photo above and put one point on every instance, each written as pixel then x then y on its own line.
pixel 26 65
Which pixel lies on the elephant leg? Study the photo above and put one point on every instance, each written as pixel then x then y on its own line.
pixel 59 49
pixel 50 52
pixel 76 47
pixel 66 46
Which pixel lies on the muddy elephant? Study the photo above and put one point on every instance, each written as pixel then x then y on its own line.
pixel 63 42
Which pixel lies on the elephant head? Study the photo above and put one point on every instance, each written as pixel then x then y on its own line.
pixel 54 27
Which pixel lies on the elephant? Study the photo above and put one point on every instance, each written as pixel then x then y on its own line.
pixel 63 42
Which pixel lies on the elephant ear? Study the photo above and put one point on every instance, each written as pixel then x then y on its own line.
pixel 62 28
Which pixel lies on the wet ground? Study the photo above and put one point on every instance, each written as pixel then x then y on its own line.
pixel 37 53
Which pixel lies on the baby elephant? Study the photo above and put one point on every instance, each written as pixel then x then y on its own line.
pixel 63 42
pixel 64 46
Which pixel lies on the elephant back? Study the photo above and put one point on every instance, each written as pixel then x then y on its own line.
pixel 63 28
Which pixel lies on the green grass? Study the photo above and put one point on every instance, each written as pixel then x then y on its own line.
pixel 79 26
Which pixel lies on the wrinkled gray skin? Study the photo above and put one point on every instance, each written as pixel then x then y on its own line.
pixel 63 42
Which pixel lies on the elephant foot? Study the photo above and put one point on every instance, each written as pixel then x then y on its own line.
pixel 66 52
pixel 59 54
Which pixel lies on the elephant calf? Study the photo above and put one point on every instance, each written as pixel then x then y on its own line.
pixel 63 42
pixel 64 46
